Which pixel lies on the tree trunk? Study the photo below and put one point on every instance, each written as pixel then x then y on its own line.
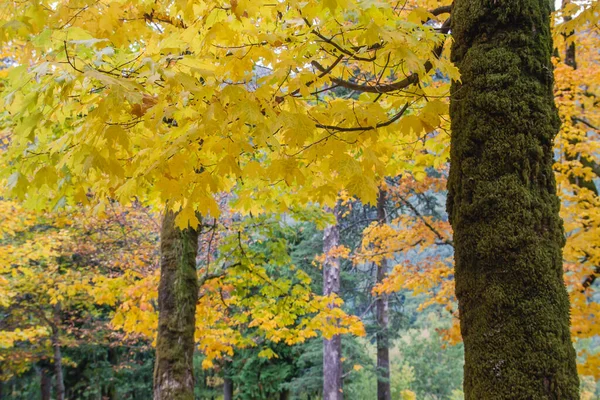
pixel 55 340
pixel 332 348
pixel 502 203
pixel 113 358
pixel 284 395
pixel 383 351
pixel 228 389
pixel 177 298
pixel 570 60
pixel 58 375
pixel 45 382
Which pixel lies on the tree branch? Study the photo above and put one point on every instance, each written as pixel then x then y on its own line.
pixel 366 128
pixel 585 122
pixel 414 209
pixel 441 10
pixel 399 85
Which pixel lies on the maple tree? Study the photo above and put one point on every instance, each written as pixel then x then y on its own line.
pixel 243 297
pixel 230 117
pixel 191 122
pixel 195 123
pixel 48 276
pixel 240 302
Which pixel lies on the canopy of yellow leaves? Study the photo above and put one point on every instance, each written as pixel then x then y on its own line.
pixel 177 101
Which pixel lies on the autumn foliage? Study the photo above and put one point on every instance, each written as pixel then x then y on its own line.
pixel 249 120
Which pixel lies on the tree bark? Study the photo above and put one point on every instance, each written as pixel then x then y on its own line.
pixel 177 298
pixel 383 351
pixel 113 358
pixel 570 59
pixel 55 340
pixel 332 348
pixel 284 395
pixel 503 207
pixel 228 389
pixel 45 382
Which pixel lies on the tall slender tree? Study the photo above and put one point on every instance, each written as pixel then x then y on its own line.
pixel 570 59
pixel 177 298
pixel 383 350
pixel 502 203
pixel 227 389
pixel 332 348
pixel 56 347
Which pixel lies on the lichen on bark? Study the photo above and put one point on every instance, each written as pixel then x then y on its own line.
pixel 177 298
pixel 503 206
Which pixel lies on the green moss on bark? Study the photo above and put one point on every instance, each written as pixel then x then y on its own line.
pixel 503 206
pixel 177 298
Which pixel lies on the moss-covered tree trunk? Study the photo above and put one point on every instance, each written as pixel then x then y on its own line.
pixel 332 348
pixel 502 202
pixel 383 349
pixel 177 298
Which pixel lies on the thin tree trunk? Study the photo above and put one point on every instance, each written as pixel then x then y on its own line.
pixel 332 348
pixel 502 203
pixel 55 340
pixel 383 351
pixel 113 358
pixel 284 395
pixel 177 298
pixel 58 375
pixel 228 389
pixel 45 382
pixel 570 60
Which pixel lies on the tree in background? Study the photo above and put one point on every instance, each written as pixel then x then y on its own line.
pixel 332 347
pixel 577 39
pixel 51 308
pixel 383 343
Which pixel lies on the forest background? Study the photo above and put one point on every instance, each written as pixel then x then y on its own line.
pixel 81 210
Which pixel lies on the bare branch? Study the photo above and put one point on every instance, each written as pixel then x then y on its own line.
pixel 414 209
pixel 585 122
pixel 441 10
pixel 395 118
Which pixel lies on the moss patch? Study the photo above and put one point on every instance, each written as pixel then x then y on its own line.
pixel 177 298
